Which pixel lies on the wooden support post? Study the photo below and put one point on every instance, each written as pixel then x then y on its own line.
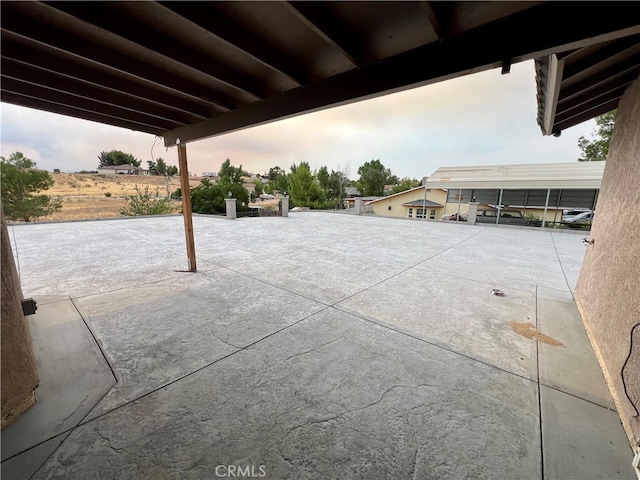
pixel 186 205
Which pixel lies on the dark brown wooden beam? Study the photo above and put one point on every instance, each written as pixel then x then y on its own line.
pixel 222 29
pixel 592 103
pixel 186 206
pixel 25 51
pixel 48 106
pixel 602 57
pixel 16 71
pixel 476 50
pixel 314 16
pixel 23 19
pixel 604 89
pixel 438 23
pixel 72 100
pixel 586 115
pixel 603 77
pixel 103 15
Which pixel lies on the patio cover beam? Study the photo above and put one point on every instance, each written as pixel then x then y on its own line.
pixel 475 50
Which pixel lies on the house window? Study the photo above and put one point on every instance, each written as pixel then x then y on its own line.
pixel 432 215
pixel 419 213
pixel 411 213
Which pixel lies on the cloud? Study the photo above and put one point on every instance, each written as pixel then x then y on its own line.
pixel 484 118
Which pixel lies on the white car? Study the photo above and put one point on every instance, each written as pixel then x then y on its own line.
pixel 577 221
pixel 567 214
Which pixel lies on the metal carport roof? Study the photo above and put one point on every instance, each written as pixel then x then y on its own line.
pixel 578 175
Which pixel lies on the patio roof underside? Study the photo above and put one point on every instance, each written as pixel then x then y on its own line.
pixel 580 84
pixel 192 70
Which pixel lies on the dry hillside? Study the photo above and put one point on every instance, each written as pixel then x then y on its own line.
pixel 86 196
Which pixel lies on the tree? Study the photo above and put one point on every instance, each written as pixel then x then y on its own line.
pixel 598 149
pixel 151 166
pixel 19 181
pixel 332 183
pixel 259 187
pixel 161 166
pixel 172 170
pixel 304 189
pixel 230 173
pixel 324 179
pixel 210 198
pixel 116 157
pixel 278 180
pixel 404 184
pixel 373 177
pixel 144 203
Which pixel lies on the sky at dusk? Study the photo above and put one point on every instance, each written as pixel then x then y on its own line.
pixel 481 119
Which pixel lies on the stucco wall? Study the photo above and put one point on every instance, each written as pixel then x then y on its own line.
pixel 608 289
pixel 19 377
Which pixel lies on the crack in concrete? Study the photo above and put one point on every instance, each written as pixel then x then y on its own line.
pixel 335 417
pixel 108 441
pixel 218 338
pixel 315 348
pixel 412 473
pixel 286 460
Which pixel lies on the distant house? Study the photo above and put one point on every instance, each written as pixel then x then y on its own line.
pixel 412 203
pixel 127 169
pixel 351 192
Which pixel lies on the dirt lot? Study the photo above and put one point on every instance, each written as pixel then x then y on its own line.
pixel 86 196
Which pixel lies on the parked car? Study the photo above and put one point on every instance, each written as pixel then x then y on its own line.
pixel 579 221
pixel 454 216
pixel 507 217
pixel 567 214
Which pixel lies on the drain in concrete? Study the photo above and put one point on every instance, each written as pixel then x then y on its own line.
pixel 531 332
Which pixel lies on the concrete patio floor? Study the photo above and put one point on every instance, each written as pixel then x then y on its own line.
pixel 315 346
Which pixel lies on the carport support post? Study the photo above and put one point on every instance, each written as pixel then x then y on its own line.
pixel 424 201
pixel 546 206
pixel 499 207
pixel 186 205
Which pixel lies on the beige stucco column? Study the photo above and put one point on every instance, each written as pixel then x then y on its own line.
pixel 231 208
pixel 608 289
pixel 358 206
pixel 19 375
pixel 472 213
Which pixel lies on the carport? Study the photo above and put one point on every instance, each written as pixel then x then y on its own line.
pixel 540 186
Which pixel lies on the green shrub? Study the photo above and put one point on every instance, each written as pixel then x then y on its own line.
pixel 533 220
pixel 144 203
pixel 210 198
pixel 107 194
